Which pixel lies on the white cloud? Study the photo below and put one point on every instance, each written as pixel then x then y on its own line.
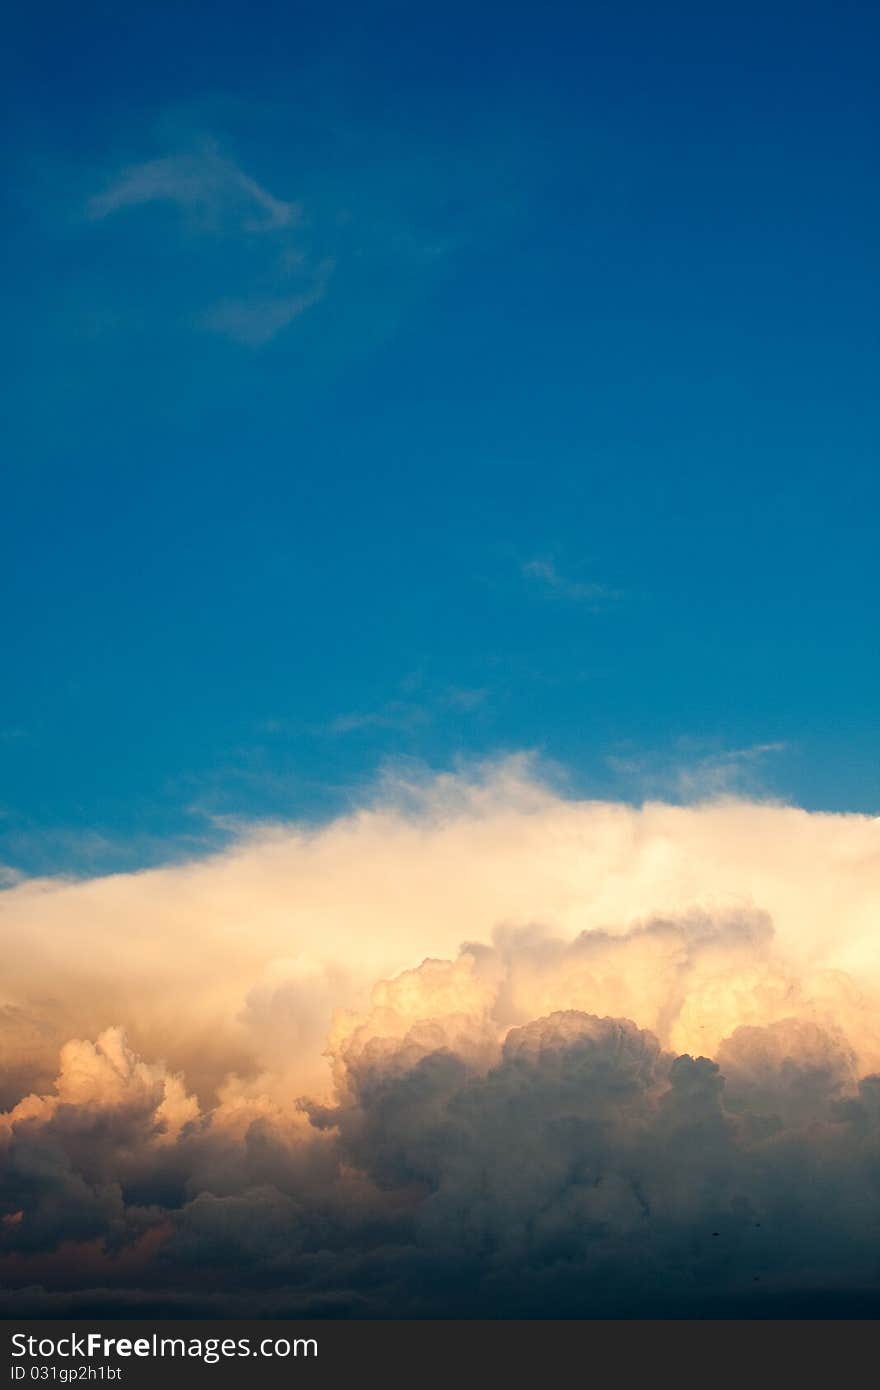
pixel 173 953
pixel 258 320
pixel 692 772
pixel 204 184
pixel 545 574
pixel 219 198
pixel 404 714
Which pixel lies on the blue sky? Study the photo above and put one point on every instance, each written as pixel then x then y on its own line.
pixel 387 383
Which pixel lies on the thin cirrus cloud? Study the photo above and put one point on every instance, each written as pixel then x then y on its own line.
pixel 659 1037
pixel 219 199
pixel 405 714
pixel 205 184
pixel 734 770
pixel 545 576
pixel 259 319
pixel 694 772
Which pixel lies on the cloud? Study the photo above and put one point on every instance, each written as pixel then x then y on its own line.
pixel 106 1075
pixel 389 214
pixel 472 1049
pixel 257 321
pixel 203 184
pixel 729 771
pixel 405 714
pixel 219 199
pixel 172 953
pixel 693 773
pixel 395 714
pixel 544 574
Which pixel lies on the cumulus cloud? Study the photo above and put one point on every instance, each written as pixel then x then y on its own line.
pixel 473 1049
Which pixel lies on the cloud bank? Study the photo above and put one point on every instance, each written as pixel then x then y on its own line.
pixel 477 1049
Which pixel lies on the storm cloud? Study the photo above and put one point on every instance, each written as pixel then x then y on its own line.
pixel 475 1051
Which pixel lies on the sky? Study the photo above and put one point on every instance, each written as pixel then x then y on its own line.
pixel 401 386
pixel 439 834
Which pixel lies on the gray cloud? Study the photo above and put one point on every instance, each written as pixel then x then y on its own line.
pixel 570 1164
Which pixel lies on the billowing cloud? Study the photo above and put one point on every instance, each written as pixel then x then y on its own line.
pixel 475 1049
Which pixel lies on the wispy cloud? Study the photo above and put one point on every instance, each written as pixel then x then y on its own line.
pixel 204 184
pixel 384 217
pixel 218 198
pixel 257 320
pixel 412 709
pixel 396 714
pixel 732 771
pixel 543 573
pixel 411 713
pixel 692 775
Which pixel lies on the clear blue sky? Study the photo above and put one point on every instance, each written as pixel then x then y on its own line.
pixel 396 381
